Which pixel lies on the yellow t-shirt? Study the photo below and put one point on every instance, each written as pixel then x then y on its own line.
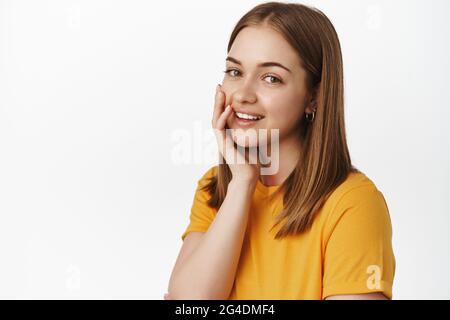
pixel 348 249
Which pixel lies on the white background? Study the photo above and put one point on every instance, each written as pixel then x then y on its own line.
pixel 93 93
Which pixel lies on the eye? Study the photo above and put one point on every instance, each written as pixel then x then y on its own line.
pixel 229 70
pixel 270 76
pixel 277 80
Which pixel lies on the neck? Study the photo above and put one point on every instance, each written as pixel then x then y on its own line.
pixel 289 153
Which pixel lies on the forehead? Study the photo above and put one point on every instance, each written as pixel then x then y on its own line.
pixel 254 45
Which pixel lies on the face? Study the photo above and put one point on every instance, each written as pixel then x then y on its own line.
pixel 278 97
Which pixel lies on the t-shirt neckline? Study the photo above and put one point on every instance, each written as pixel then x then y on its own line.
pixel 266 189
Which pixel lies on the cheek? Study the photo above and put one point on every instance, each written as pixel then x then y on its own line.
pixel 284 117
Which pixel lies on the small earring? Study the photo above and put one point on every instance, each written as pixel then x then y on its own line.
pixel 310 116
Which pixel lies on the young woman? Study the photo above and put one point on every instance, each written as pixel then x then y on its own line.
pixel 318 228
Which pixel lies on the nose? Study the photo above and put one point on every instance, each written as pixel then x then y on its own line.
pixel 244 93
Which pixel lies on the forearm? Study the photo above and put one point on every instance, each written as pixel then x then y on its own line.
pixel 209 271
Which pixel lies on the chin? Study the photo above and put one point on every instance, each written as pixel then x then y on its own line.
pixel 246 144
pixel 247 140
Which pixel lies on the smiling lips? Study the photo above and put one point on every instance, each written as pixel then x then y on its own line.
pixel 247 116
pixel 245 120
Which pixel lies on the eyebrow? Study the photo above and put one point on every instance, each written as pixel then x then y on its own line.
pixel 264 64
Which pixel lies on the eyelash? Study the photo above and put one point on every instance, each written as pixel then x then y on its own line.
pixel 268 75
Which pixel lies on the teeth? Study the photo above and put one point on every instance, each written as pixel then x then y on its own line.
pixel 247 116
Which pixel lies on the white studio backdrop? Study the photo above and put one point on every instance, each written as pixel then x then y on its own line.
pixel 95 95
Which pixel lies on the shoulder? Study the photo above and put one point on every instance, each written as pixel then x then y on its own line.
pixel 208 175
pixel 356 183
pixel 359 199
pixel 211 172
pixel 356 189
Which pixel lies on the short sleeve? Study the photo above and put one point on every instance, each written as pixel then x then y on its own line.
pixel 358 256
pixel 202 214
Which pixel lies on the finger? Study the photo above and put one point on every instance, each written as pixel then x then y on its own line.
pixel 222 120
pixel 220 137
pixel 218 104
pixel 220 123
pixel 224 141
pixel 220 131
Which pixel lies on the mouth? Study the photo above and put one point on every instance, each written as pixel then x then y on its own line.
pixel 245 119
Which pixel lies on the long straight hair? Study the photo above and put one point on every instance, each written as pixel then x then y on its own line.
pixel 325 161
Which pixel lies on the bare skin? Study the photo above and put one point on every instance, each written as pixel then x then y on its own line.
pixel 362 296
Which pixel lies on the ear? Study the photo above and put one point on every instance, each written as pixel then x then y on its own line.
pixel 311 107
pixel 312 102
